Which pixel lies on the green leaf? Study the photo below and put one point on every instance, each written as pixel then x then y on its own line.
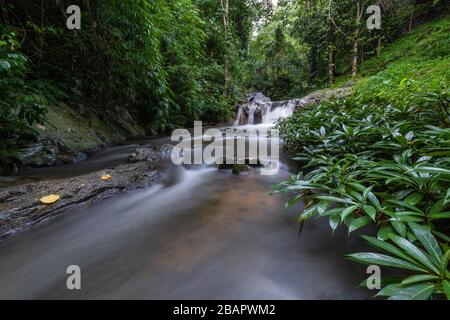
pixel 429 242
pixel 414 198
pixel 399 227
pixel 358 223
pixel 406 219
pixel 417 292
pixel 5 65
pixel 383 245
pixel 414 252
pixel 348 211
pixel 418 278
pixel 440 215
pixel 370 211
pixel 446 288
pixel 336 199
pixel 383 233
pixel 389 290
pixel 383 260
pixel 437 207
pixel 334 221
pixel 444 263
pixel 432 170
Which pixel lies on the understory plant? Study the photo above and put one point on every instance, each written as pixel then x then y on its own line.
pixel 389 165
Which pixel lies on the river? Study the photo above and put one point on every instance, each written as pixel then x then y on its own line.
pixel 202 233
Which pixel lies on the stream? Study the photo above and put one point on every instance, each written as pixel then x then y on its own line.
pixel 202 233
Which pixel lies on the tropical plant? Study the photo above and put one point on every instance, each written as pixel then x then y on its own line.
pixel 423 258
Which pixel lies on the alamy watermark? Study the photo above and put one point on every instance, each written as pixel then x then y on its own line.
pixel 73 281
pixel 73 22
pixel 374 281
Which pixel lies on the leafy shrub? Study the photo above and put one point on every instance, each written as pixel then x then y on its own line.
pixel 21 102
pixel 382 156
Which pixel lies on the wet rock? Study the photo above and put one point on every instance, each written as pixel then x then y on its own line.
pixel 165 150
pixel 144 154
pixel 20 206
pixel 151 153
pixel 241 169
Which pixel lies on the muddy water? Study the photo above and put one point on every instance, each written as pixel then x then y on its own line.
pixel 201 234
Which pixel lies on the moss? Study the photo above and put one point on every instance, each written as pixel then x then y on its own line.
pixel 84 132
pixel 240 168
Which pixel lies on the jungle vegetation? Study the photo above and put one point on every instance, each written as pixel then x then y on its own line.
pixel 380 157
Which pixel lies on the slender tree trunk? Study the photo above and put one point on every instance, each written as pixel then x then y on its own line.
pixel 312 65
pixel 411 18
pixel 331 65
pixel 225 12
pixel 355 50
pixel 379 46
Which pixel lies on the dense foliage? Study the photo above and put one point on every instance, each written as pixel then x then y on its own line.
pixel 307 44
pixel 383 156
pixel 162 61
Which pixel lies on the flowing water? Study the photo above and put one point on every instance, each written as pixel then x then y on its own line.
pixel 201 233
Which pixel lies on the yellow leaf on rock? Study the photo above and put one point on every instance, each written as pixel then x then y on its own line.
pixel 106 177
pixel 50 199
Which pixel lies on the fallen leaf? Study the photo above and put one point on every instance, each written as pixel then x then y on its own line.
pixel 50 199
pixel 106 177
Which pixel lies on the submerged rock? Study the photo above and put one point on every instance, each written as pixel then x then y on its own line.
pixel 144 154
pixel 241 169
pixel 151 153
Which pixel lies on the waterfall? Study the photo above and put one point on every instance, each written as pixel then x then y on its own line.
pixel 239 116
pixel 260 109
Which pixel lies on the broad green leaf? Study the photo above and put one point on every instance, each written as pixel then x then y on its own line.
pixel 336 199
pixel 432 170
pixel 370 211
pixel 389 290
pixel 437 207
pixel 428 242
pixel 406 219
pixel 444 264
pixel 399 227
pixel 418 278
pixel 446 288
pixel 383 233
pixel 334 221
pixel 404 205
pixel 384 260
pixel 440 215
pixel 386 246
pixel 414 198
pixel 358 223
pixel 348 211
pixel 414 252
pixel 417 292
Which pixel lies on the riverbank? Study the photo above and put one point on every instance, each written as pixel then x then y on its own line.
pixel 21 208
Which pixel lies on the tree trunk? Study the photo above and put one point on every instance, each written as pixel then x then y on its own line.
pixel 225 11
pixel 379 46
pixel 355 50
pixel 312 65
pixel 411 18
pixel 331 65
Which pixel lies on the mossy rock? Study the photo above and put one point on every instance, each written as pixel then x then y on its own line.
pixel 241 169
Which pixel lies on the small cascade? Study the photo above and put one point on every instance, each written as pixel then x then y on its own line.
pixel 251 112
pixel 260 109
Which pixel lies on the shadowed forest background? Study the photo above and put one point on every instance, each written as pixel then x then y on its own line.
pixel 167 63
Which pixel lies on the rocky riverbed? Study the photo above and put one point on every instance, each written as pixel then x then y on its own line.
pixel 20 205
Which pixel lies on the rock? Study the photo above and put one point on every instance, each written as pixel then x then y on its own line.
pixel 165 150
pixel 241 169
pixel 20 206
pixel 151 153
pixel 144 154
